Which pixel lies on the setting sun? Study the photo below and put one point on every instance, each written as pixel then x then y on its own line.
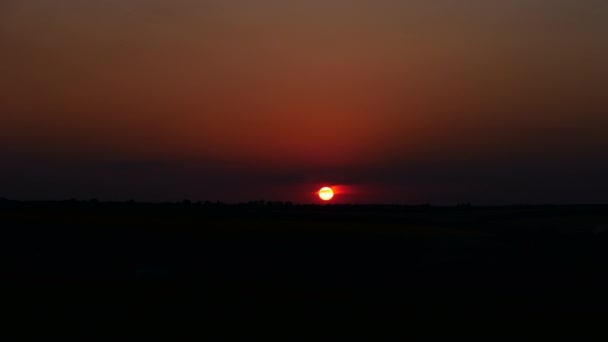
pixel 326 193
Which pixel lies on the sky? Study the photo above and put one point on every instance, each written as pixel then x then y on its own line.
pixel 440 102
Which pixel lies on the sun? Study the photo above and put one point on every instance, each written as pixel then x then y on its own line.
pixel 326 193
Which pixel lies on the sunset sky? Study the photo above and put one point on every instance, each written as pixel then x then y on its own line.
pixel 482 101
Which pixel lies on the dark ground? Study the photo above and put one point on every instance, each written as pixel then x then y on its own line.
pixel 89 263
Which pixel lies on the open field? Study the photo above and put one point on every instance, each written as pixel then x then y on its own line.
pixel 96 261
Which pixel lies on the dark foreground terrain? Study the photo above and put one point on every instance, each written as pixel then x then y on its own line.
pixel 85 263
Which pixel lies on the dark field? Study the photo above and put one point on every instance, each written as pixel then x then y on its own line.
pixel 96 262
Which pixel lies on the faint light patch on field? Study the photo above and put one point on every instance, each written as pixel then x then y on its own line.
pixel 599 229
pixel 151 272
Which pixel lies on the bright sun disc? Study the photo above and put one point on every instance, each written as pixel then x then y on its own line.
pixel 326 193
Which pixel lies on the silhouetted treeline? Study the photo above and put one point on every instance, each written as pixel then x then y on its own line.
pixel 469 216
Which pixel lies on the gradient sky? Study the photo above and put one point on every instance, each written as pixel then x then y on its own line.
pixel 445 101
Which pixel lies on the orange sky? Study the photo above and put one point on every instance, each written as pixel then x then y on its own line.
pixel 325 88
